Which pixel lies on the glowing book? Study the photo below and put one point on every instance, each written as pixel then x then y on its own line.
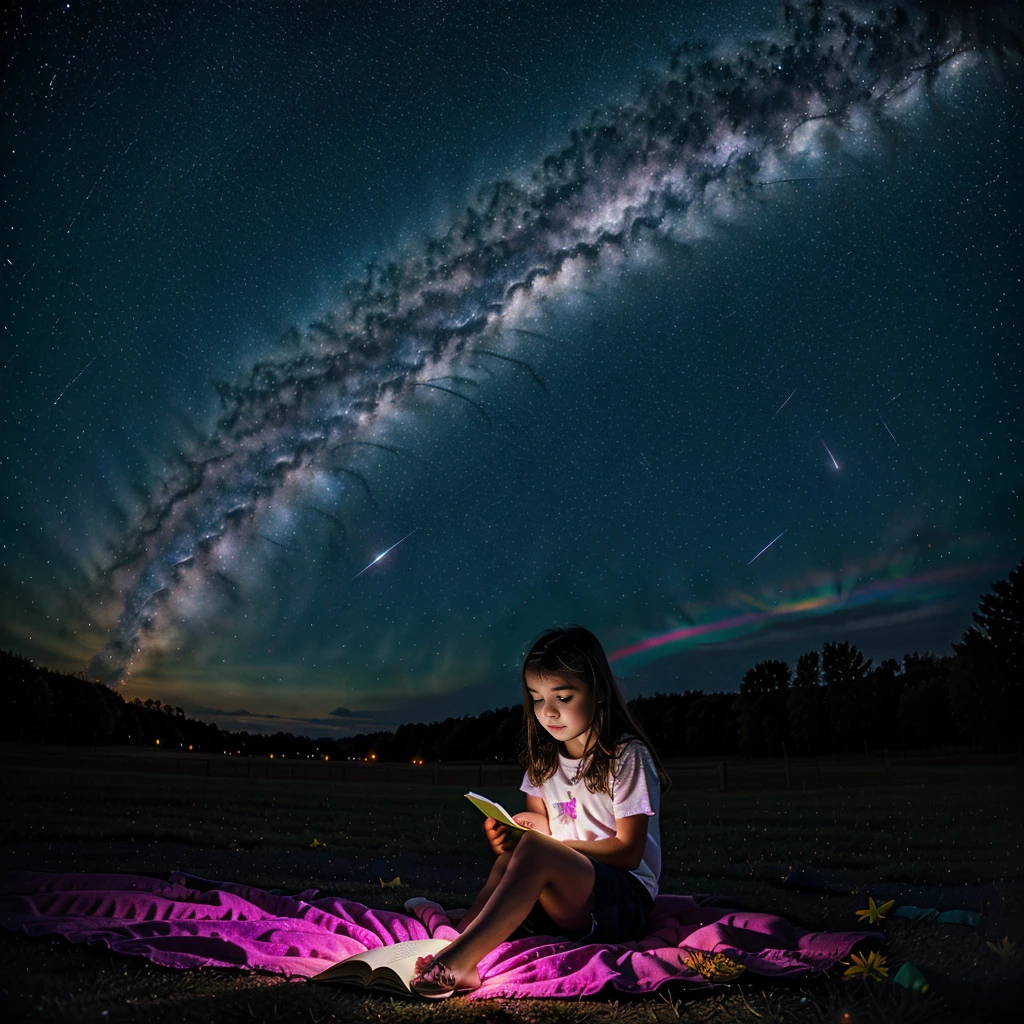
pixel 386 969
pixel 493 810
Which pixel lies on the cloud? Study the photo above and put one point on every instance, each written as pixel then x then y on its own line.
pixel 334 723
pixel 202 710
pixel 341 712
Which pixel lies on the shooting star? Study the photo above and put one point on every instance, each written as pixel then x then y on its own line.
pixel 829 450
pixel 79 374
pixel 886 425
pixel 785 403
pixel 383 553
pixel 764 549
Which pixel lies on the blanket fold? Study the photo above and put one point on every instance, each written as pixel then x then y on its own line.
pixel 187 921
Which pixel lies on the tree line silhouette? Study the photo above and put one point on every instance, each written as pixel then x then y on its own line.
pixel 835 701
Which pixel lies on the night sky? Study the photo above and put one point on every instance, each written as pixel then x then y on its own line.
pixel 577 329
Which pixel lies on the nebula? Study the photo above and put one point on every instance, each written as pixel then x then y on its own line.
pixel 694 143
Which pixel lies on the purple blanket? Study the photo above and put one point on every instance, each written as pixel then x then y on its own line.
pixel 191 922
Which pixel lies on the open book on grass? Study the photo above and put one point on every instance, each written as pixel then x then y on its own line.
pixel 494 810
pixel 386 969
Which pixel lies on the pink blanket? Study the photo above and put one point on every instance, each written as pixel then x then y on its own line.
pixel 190 922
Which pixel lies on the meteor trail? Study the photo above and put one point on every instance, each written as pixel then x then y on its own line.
pixel 785 403
pixel 79 374
pixel 886 425
pixel 764 549
pixel 829 450
pixel 383 553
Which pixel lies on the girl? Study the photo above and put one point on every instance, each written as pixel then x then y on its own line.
pixel 588 867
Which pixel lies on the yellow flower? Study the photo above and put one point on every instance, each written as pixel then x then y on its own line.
pixel 1005 949
pixel 875 914
pixel 712 966
pixel 316 843
pixel 871 965
pixel 395 883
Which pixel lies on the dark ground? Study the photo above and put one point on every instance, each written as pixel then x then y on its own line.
pixel 958 826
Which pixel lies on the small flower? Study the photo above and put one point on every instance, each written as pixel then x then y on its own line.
pixel 1005 950
pixel 876 914
pixel 871 965
pixel 712 966
pixel 316 844
pixel 395 883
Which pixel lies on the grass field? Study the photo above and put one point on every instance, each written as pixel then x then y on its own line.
pixel 956 826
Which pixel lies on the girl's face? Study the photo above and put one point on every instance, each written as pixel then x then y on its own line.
pixel 564 706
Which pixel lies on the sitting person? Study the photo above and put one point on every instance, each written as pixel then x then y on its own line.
pixel 588 866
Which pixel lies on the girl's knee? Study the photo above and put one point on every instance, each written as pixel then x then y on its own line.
pixel 531 845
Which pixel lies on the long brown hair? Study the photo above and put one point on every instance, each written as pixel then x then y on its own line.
pixel 575 651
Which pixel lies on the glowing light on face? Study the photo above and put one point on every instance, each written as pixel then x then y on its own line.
pixel 564 706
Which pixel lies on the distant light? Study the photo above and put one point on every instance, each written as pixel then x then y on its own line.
pixel 158 743
pixel 190 746
pixel 271 755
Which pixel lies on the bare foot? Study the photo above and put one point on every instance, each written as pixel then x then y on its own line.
pixel 465 979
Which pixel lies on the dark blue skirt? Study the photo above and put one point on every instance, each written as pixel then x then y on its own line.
pixel 622 910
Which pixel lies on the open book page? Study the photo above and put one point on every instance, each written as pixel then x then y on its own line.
pixel 493 810
pixel 387 967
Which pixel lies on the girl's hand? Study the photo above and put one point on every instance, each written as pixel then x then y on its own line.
pixel 526 820
pixel 500 838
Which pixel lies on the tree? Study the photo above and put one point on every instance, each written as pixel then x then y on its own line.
pixel 808 724
pixel 711 725
pixel 460 744
pixel 887 682
pixel 923 709
pixel 850 704
pixel 760 709
pixel 26 701
pixel 1000 618
pixel 510 735
pixel 988 665
pixel 663 717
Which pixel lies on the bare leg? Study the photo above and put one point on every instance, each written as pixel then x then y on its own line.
pixel 497 873
pixel 539 869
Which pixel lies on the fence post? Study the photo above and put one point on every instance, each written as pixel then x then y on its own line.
pixel 723 776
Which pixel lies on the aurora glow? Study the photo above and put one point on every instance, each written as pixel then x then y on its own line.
pixel 926 587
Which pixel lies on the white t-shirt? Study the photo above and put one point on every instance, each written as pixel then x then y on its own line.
pixel 576 813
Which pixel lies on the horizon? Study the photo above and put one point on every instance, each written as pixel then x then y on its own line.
pixel 240 720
